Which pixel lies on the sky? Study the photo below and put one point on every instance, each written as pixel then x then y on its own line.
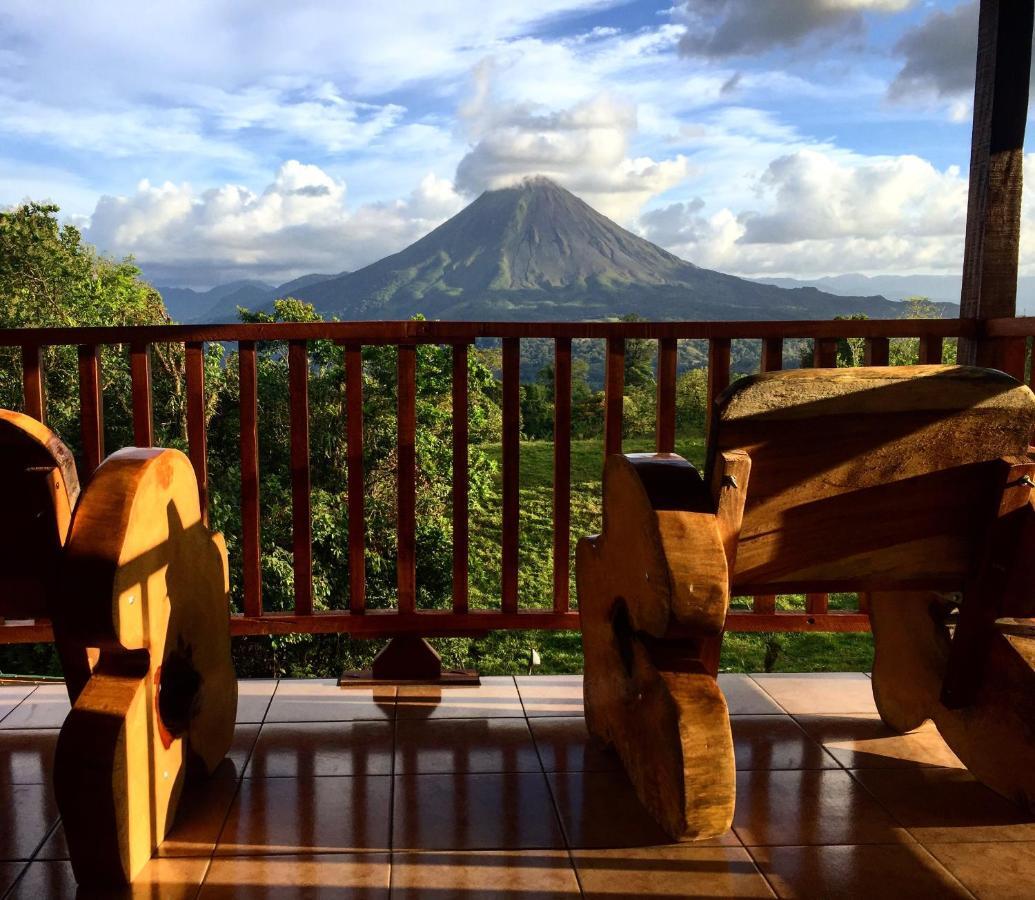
pixel 218 139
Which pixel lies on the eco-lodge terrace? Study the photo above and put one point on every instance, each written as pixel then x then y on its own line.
pixel 151 770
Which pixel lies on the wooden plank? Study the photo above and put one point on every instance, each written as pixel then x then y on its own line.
pixel 824 353
pixel 140 379
pixel 718 372
pixel 432 332
pixel 561 474
pixel 772 354
pixel 831 622
pixel 32 382
pixel 354 452
pixel 876 351
pixel 251 523
pixel 511 472
pixel 91 410
pixel 930 349
pixel 666 412
pixel 406 567
pixel 197 441
pixel 990 254
pixel 614 395
pixel 301 513
pixel 460 476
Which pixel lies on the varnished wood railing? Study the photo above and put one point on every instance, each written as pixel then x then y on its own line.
pixel 357 619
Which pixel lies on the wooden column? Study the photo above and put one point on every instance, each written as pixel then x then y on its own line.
pixel 996 161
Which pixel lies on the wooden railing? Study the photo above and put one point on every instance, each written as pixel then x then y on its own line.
pixel 357 619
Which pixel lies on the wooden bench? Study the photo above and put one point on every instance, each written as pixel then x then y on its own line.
pixel 136 587
pixel 911 485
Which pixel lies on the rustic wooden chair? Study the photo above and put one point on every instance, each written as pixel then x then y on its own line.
pixel 136 587
pixel 911 484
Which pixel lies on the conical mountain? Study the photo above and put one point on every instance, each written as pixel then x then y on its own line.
pixel 536 251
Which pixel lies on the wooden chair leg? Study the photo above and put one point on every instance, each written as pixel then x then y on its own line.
pixel 661 711
pixel 911 648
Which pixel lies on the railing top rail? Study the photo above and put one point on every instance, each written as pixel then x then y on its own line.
pixel 1018 326
pixel 441 332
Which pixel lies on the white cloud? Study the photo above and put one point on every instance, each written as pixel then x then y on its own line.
pixel 584 147
pixel 300 223
pixel 822 211
pixel 940 55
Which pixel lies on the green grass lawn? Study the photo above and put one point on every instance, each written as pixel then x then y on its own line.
pixel 507 652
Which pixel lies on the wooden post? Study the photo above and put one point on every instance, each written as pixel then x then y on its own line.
pixel 996 162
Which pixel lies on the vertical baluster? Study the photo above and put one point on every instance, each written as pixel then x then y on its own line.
pixel 864 602
pixel 511 471
pixel 561 473
pixel 876 352
pixel 930 349
pixel 32 381
pixel 772 354
pixel 91 410
pixel 824 354
pixel 196 438
pixel 460 475
pixel 817 604
pixel 1011 356
pixel 354 437
pixel 301 513
pixel 140 378
pixel 251 540
pixel 718 371
pixel 406 568
pixel 614 391
pixel 764 604
pixel 665 429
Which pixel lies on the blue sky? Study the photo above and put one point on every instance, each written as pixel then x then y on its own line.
pixel 215 139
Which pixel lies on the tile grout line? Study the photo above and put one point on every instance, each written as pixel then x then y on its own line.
pixel 758 869
pixel 19 703
pixel 553 796
pixel 391 792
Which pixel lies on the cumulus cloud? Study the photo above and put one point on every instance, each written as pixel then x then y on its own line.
pixel 722 28
pixel 827 211
pixel 939 56
pixel 584 147
pixel 299 223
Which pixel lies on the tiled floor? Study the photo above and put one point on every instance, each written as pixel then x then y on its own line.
pixel 497 792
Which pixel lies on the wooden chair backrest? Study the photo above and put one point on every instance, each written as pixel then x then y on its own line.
pixel 868 478
pixel 39 485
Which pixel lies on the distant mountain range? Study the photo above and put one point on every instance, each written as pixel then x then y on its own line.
pixel 534 251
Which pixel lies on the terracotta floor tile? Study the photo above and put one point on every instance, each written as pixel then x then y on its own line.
pixel 513 874
pixel 321 700
pixel 495 696
pixel 1003 871
pixel 551 695
pixel 45 707
pixel 464 745
pixel 11 695
pixel 55 846
pixel 305 749
pixel 745 698
pixel 684 870
pixel 809 807
pixel 242 745
pixel 27 757
pixel 565 745
pixel 479 811
pixel 887 871
pixel 819 693
pixel 776 742
pixel 203 810
pixel 9 871
pixel 311 877
pixel 27 813
pixel 864 742
pixel 168 879
pixel 253 698
pixel 310 815
pixel 600 809
pixel 947 805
